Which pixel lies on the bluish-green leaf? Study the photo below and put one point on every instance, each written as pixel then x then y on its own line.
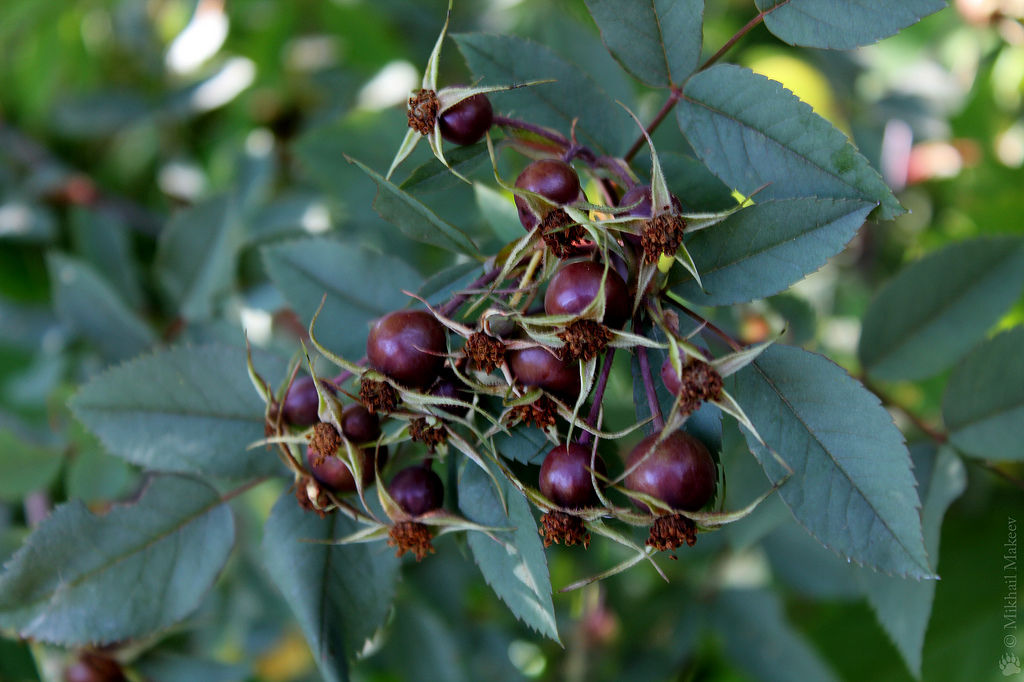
pixel 360 284
pixel 25 467
pixel 340 594
pixel 105 243
pixel 936 308
pixel 984 402
pixel 852 485
pixel 603 125
pixel 904 607
pixel 195 259
pixel 166 667
pixel 658 41
pixel 841 24
pixel 414 218
pixel 513 562
pixel 89 304
pixel 765 248
pixel 756 135
pixel 85 579
pixel 696 187
pixel 184 410
pixel 526 444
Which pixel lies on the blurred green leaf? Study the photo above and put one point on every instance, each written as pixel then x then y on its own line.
pixel 196 257
pixel 438 655
pixel 99 114
pixel 163 667
pixel 340 593
pixel 801 320
pixel 658 41
pixel 983 406
pixel 360 285
pixel 497 59
pixel 499 211
pixel 82 579
pixel 106 245
pixel 182 410
pixel 756 135
pixel 840 24
pixel 25 467
pixel 522 443
pixel 22 221
pixel 936 308
pixel 94 476
pixel 852 487
pixel 763 249
pixel 433 176
pixel 513 563
pixel 91 307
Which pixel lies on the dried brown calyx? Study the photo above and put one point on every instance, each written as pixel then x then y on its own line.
pixel 541 412
pixel 671 532
pixel 325 441
pixel 485 352
pixel 423 109
pixel 421 431
pixel 584 339
pixel 311 496
pixel 377 396
pixel 561 233
pixel 698 382
pixel 411 536
pixel 662 235
pixel 558 527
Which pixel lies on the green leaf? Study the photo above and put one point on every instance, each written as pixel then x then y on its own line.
pixel 25 467
pixel 904 607
pixel 183 410
pixel 658 41
pixel 438 655
pixel 499 211
pixel 852 487
pixel 935 309
pixel 105 243
pixel 360 284
pixel 522 443
pixel 756 135
pixel 414 218
pixel 603 126
pixel 697 188
pixel 195 259
pixel 94 476
pixel 513 563
pixel 89 304
pixel 166 667
pixel 763 249
pixel 841 24
pixel 760 640
pixel 984 402
pixel 82 579
pixel 340 594
pixel 434 176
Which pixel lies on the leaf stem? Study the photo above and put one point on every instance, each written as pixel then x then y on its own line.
pixel 658 419
pixel 540 131
pixel 595 406
pixel 658 118
pixel 735 39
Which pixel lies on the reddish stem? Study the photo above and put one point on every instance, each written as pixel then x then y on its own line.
pixel 449 308
pixel 658 118
pixel 595 406
pixel 652 395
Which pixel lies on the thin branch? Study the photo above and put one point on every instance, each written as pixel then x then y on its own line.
pixel 652 396
pixel 595 406
pixel 732 41
pixel 449 308
pixel 720 333
pixel 658 118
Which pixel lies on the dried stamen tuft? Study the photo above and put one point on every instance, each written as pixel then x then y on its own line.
pixel 377 396
pixel 559 527
pixel 423 108
pixel 431 436
pixel 541 412
pixel 584 339
pixel 485 352
pixel 662 235
pixel 698 383
pixel 561 233
pixel 410 536
pixel 671 532
pixel 325 442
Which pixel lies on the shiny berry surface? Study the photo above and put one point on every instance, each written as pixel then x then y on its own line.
pixel 467 121
pixel 449 386
pixel 565 476
pixel 575 285
pixel 417 490
pixel 358 425
pixel 680 471
pixel 541 368
pixel 93 668
pixel 333 473
pixel 551 178
pixel 642 193
pixel 408 346
pixel 301 402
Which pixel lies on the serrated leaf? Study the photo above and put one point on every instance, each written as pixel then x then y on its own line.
pixel 755 134
pixel 196 256
pixel 658 41
pixel 513 563
pixel 25 467
pixel 761 641
pixel 360 284
pixel 852 486
pixel 935 309
pixel 763 249
pixel 841 24
pixel 602 125
pixel 523 443
pixel 340 594
pixel 414 218
pixel 84 579
pixel 434 176
pixel 904 607
pixel 89 304
pixel 983 406
pixel 182 410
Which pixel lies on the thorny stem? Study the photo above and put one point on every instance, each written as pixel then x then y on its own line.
pixel 449 308
pixel 595 406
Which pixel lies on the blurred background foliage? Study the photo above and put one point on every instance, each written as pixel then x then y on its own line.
pixel 116 115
